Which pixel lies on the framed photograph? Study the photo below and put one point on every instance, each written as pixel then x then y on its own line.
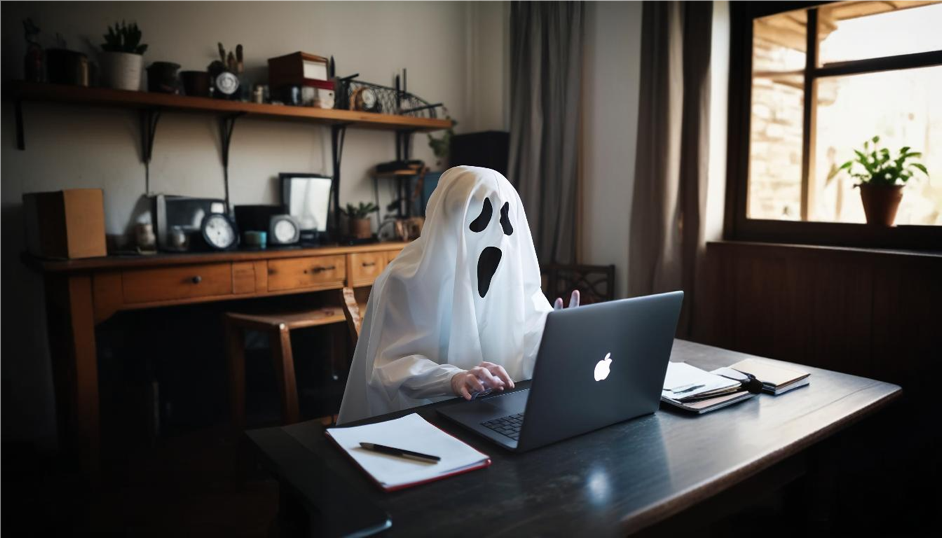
pixel 306 197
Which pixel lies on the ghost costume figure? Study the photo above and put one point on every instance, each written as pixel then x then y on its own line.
pixel 465 292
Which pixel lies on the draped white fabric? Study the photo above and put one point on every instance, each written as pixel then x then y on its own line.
pixel 466 291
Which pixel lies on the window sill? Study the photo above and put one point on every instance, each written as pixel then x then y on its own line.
pixel 818 250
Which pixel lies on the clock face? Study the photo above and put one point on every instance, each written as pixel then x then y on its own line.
pixel 219 232
pixel 285 231
pixel 369 99
pixel 227 83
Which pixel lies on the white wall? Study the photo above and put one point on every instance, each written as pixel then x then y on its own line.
pixel 70 147
pixel 719 98
pixel 612 85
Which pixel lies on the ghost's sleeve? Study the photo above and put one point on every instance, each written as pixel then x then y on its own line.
pixel 415 376
pixel 402 364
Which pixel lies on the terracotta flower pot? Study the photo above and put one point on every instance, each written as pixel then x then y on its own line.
pixel 361 228
pixel 880 203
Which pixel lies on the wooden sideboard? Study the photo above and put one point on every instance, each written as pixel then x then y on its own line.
pixel 81 294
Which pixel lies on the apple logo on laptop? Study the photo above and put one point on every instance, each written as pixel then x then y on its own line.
pixel 602 369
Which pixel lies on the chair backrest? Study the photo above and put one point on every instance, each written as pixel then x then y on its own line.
pixel 596 283
pixel 351 311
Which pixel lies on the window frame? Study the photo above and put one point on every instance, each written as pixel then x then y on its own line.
pixel 736 225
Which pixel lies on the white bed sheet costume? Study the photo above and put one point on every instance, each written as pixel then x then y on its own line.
pixel 466 291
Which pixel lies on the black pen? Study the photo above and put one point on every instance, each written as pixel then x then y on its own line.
pixel 402 453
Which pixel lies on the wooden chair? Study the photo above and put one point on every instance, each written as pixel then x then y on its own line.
pixel 351 311
pixel 278 326
pixel 596 283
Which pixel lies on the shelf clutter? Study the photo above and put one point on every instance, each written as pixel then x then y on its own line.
pixel 80 95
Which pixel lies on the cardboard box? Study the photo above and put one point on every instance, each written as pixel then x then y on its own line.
pixel 66 224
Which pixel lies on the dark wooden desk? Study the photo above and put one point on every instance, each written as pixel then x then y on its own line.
pixel 618 480
pixel 80 294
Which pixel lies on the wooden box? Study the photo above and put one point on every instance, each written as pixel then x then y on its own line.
pixel 298 69
pixel 65 224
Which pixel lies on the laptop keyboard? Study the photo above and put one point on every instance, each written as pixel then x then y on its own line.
pixel 509 425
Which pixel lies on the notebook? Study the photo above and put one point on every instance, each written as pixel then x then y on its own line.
pixel 410 432
pixel 775 379
pixel 692 389
pixel 684 382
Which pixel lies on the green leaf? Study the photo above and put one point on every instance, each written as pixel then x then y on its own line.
pixel 920 167
pixel 876 139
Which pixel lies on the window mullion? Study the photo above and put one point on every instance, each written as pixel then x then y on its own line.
pixel 810 115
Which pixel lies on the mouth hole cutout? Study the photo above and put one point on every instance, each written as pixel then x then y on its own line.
pixel 487 266
pixel 505 220
pixel 479 224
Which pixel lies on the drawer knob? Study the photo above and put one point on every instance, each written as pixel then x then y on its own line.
pixel 369 264
pixel 319 269
pixel 197 279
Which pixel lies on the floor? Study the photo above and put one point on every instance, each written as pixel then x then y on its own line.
pixel 184 486
pixel 176 477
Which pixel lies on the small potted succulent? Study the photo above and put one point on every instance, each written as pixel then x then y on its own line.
pixel 121 57
pixel 882 178
pixel 359 219
pixel 441 147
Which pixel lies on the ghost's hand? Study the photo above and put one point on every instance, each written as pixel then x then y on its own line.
pixel 479 379
pixel 573 301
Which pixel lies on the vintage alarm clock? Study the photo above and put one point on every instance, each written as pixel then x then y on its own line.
pixel 225 85
pixel 219 232
pixel 284 230
pixel 365 99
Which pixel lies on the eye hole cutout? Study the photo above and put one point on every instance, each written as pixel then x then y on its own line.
pixel 479 224
pixel 505 220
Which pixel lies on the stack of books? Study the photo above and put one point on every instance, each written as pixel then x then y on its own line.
pixel 692 389
pixel 775 379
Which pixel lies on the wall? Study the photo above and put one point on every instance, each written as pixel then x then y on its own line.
pixel 70 147
pixel 719 98
pixel 610 124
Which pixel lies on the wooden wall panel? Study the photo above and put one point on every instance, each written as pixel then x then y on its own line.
pixel 865 312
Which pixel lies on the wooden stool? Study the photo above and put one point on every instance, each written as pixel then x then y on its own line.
pixel 278 326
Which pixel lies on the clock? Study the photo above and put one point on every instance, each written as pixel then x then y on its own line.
pixel 284 230
pixel 226 84
pixel 219 231
pixel 365 99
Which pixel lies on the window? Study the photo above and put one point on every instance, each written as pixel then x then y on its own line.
pixel 812 85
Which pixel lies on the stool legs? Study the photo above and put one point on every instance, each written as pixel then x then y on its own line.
pixel 284 373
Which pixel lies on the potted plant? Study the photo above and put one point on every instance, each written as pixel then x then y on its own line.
pixel 441 147
pixel 358 218
pixel 882 178
pixel 121 57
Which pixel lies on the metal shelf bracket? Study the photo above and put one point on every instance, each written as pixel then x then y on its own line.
pixel 149 119
pixel 338 134
pixel 20 135
pixel 226 126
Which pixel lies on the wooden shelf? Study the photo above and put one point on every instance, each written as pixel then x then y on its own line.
pixel 397 173
pixel 27 91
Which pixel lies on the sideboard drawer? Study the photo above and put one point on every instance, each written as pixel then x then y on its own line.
pixel 315 272
pixel 170 283
pixel 364 267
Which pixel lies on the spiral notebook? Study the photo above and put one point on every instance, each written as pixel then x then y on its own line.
pixel 410 432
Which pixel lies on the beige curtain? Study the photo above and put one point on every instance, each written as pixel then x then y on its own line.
pixel 667 230
pixel 545 117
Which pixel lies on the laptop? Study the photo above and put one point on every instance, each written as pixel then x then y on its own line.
pixel 597 365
